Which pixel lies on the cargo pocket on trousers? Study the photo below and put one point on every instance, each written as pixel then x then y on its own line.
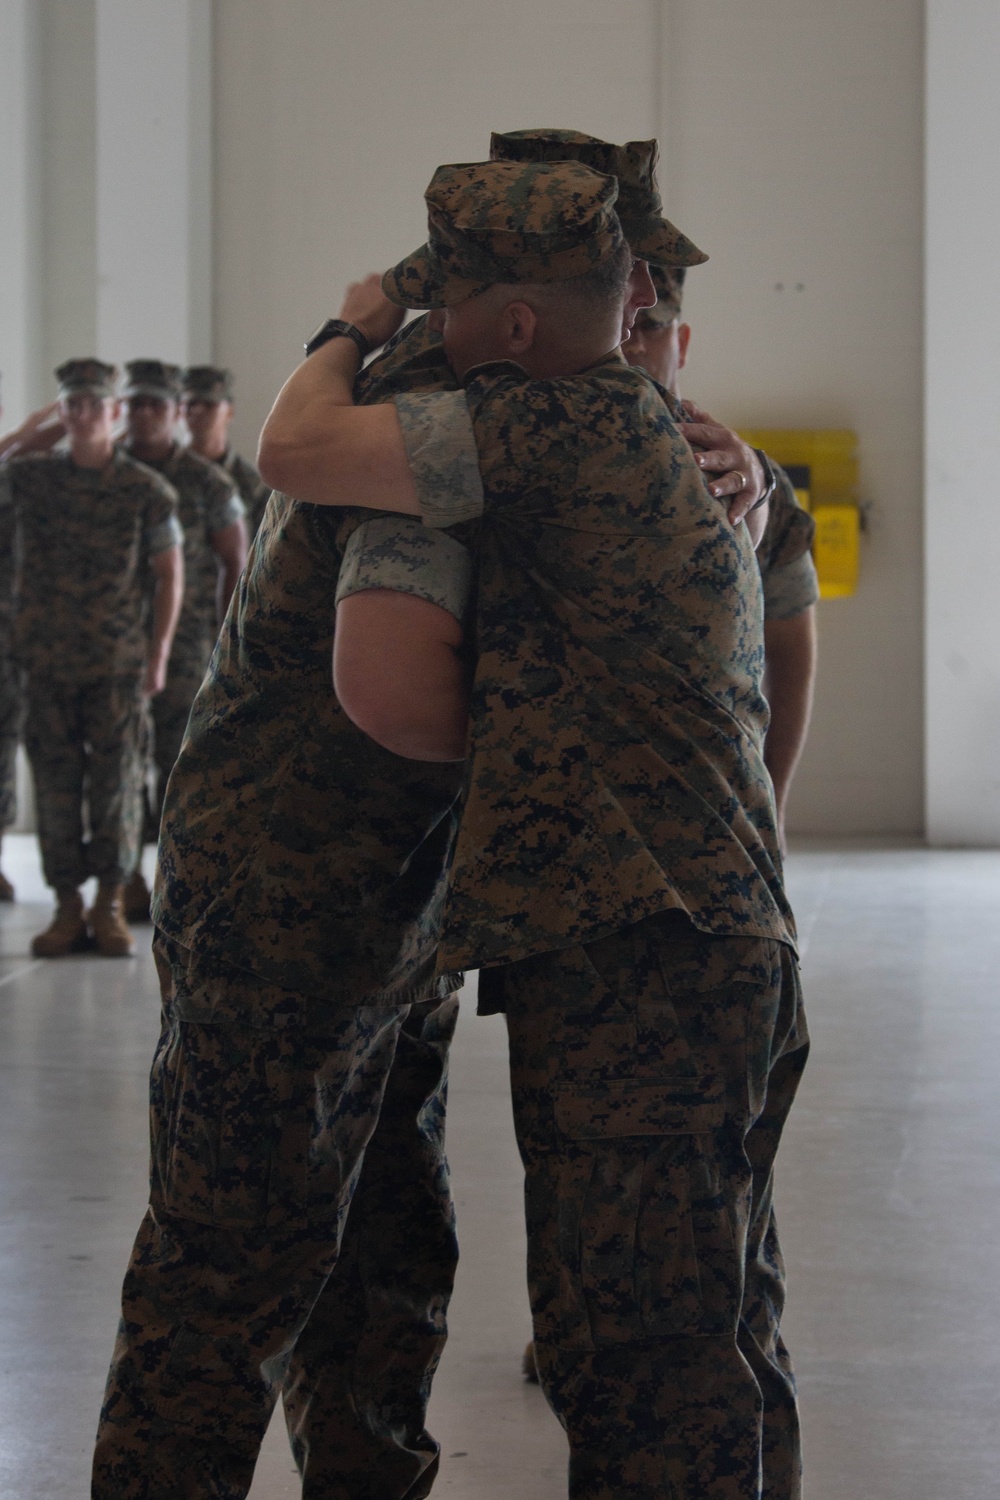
pixel 219 1123
pixel 652 1243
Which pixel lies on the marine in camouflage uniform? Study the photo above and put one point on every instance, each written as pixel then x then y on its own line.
pixel 207 404
pixel 617 873
pixel 212 515
pixel 86 537
pixel 659 343
pixel 301 877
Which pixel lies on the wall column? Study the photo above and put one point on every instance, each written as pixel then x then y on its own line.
pixel 154 179
pixel 20 298
pixel 962 402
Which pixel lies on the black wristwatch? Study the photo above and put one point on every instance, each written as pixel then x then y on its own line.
pixel 336 328
pixel 770 481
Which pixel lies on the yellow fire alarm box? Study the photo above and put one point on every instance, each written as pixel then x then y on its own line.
pixel 822 464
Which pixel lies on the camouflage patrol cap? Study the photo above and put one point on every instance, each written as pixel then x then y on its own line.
pixel 91 375
pixel 207 383
pixel 151 377
pixel 492 222
pixel 668 282
pixel 651 236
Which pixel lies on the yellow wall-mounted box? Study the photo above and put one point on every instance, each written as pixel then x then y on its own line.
pixel 822 464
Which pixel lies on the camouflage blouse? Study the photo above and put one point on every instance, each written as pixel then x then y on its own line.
pixel 85 538
pixel 206 502
pixel 617 719
pixel 291 845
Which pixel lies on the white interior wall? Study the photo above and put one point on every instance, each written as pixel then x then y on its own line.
pixel 963 398
pixel 153 179
pixel 792 132
pixel 67 184
pixel 332 118
pixel 20 209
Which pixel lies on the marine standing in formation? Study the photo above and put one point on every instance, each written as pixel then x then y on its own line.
pixel 207 408
pixel 93 526
pixel 215 547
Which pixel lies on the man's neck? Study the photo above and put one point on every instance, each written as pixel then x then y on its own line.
pixel 214 452
pixel 92 453
pixel 150 453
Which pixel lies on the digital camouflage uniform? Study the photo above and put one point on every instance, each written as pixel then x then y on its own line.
pixel 207 503
pixel 86 539
pixel 617 869
pixel 301 878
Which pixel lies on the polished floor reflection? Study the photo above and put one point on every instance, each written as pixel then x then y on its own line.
pixel 888 1197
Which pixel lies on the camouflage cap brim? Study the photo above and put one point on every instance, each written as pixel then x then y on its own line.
pixel 157 392
pixel 418 281
pixel 209 383
pixel 92 376
pixel 651 236
pixel 659 242
pixel 87 387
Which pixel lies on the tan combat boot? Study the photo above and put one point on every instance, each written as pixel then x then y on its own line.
pixel 67 932
pixel 107 923
pixel 137 899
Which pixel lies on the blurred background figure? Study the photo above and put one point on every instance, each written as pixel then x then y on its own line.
pixel 207 406
pixel 212 516
pixel 92 526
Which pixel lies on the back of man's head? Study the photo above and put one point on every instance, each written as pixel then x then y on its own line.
pixel 542 236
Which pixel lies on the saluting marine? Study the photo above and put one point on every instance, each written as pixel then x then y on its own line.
pixel 92 525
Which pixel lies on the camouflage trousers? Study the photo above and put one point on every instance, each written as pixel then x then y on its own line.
pixel 265 1132
pixel 11 724
pixel 83 741
pixel 168 717
pixel 652 1073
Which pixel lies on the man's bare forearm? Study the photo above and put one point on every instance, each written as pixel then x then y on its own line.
pixel 789 677
pixel 316 445
pixel 168 595
pixel 400 676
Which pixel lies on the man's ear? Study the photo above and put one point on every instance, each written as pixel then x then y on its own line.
pixel 683 339
pixel 520 323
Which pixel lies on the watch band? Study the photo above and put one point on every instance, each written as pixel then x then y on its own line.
pixel 770 480
pixel 336 328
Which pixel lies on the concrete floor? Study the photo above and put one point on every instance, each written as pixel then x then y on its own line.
pixel 887 1195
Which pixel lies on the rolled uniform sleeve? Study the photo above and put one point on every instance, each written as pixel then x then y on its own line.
pixel 787 571
pixel 223 506
pixel 392 552
pixel 161 528
pixel 790 590
pixel 441 447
